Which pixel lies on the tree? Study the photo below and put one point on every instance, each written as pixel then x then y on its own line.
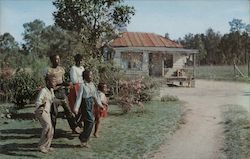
pixel 236 25
pixel 211 41
pixel 247 28
pixel 32 36
pixel 236 28
pixel 9 51
pixel 8 43
pixel 196 42
pixel 93 20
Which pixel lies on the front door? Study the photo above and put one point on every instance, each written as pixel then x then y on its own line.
pixel 155 64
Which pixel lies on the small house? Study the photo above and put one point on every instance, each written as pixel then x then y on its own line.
pixel 139 53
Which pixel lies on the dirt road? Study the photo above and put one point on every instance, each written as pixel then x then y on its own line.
pixel 201 137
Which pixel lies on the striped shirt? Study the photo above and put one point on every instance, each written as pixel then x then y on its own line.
pixel 87 90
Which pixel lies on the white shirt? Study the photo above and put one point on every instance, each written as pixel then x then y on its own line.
pixel 46 97
pixel 103 97
pixel 87 90
pixel 76 74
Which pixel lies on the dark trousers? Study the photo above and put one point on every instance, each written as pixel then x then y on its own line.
pixel 62 100
pixel 88 118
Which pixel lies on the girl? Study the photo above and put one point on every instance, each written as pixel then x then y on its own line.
pixel 76 79
pixel 102 89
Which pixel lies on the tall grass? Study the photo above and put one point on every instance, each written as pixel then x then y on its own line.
pixel 221 73
pixel 237 132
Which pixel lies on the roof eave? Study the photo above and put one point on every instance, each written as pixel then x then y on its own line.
pixel 161 49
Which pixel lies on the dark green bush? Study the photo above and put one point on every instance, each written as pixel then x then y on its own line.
pixel 21 88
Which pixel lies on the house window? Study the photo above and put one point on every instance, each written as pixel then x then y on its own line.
pixel 107 53
pixel 132 60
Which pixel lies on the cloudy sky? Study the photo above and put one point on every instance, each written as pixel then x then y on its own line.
pixel 176 17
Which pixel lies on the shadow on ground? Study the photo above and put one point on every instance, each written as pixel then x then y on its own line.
pixel 27 149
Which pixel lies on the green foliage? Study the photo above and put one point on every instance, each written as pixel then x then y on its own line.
pixel 8 43
pixel 95 21
pixel 148 89
pixel 135 92
pixel 235 47
pixel 236 25
pixel 169 98
pixel 129 94
pixel 196 42
pixel 219 49
pixel 7 109
pixel 21 88
pixel 32 36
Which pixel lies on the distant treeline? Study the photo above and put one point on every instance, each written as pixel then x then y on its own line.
pixel 214 48
pixel 218 49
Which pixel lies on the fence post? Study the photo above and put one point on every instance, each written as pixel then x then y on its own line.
pixel 248 66
pixel 234 71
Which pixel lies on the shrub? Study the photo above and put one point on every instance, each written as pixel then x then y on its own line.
pixel 21 88
pixel 168 98
pixel 149 85
pixel 129 94
pixel 6 110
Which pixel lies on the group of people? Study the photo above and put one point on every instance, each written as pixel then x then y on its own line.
pixel 83 107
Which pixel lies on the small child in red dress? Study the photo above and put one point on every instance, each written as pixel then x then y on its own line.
pixel 99 112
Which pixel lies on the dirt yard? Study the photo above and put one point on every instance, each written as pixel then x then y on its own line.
pixel 201 135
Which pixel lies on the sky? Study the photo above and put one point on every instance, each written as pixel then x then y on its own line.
pixel 175 17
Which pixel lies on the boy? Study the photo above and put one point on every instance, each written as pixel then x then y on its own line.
pixel 56 73
pixel 85 100
pixel 43 105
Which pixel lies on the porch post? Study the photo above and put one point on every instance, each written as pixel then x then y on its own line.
pixel 162 67
pixel 194 60
pixel 117 58
pixel 145 61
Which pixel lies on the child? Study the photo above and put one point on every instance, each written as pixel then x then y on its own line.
pixel 43 105
pixel 86 98
pixel 76 79
pixel 102 89
pixel 56 73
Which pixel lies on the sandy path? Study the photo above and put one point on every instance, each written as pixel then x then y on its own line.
pixel 201 137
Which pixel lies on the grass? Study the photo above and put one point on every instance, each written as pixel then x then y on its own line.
pixel 237 132
pixel 168 98
pixel 221 73
pixel 133 135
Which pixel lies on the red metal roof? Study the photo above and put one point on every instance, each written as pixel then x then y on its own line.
pixel 139 39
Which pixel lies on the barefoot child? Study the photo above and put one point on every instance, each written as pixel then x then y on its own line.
pixel 102 89
pixel 76 79
pixel 42 113
pixel 86 98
